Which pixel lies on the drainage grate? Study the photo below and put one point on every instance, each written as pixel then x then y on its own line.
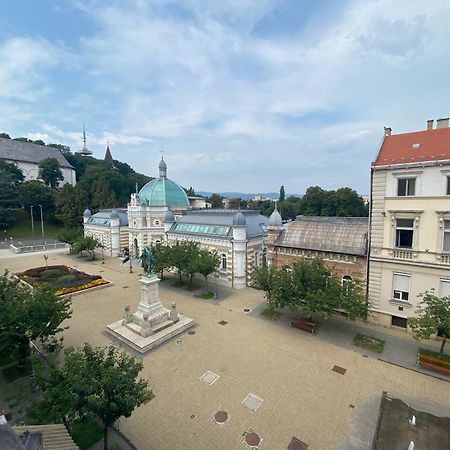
pixel 247 310
pixel 209 377
pixel 221 417
pixel 252 439
pixel 339 370
pixel 297 444
pixel 252 402
pixel 222 322
pixel 191 332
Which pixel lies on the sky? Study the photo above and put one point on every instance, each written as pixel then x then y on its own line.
pixel 241 95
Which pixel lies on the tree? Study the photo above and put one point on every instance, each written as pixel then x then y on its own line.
pixel 38 142
pixel 97 382
pixel 88 244
pixel 282 194
pixel 63 148
pixel 181 253
pixel 70 235
pixel 349 203
pixel 5 136
pixel 13 170
pixel 216 201
pixel 50 172
pixel 190 192
pixel 207 261
pixel 312 201
pixel 29 314
pixel 433 317
pixel 9 192
pixel 70 205
pixel 234 203
pixel 35 193
pixel 263 278
pixel 162 259
pixel 102 195
pixel 7 220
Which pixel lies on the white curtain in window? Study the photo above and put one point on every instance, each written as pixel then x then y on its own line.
pixel 401 282
pixel 444 288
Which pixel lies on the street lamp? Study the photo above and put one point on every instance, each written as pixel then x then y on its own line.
pixel 32 222
pixel 42 227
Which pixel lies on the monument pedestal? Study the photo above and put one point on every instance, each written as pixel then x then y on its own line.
pixel 151 324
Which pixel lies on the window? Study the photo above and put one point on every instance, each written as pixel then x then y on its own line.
pixel 446 240
pixel 401 287
pixel 399 321
pixel 444 288
pixel 406 187
pixel 256 259
pixel 448 185
pixel 404 233
pixel 223 265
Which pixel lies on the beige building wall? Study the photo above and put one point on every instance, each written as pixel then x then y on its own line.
pixel 423 267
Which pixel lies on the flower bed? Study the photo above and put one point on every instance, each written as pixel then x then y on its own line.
pixel 62 279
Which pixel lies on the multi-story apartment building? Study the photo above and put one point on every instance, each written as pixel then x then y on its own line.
pixel 409 222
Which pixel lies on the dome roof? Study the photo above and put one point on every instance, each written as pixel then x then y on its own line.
pixel 163 192
pixel 275 219
pixel 169 217
pixel 239 219
pixel 114 214
pixel 87 213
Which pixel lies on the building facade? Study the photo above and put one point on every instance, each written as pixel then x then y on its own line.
pixel 27 157
pixel 162 213
pixel 340 241
pixel 410 222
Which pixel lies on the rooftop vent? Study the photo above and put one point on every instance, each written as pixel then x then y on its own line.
pixel 416 145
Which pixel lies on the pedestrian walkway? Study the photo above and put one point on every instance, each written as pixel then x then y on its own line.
pixel 400 348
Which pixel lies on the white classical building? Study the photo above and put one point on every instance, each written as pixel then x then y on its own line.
pixel 161 212
pixel 410 222
pixel 27 157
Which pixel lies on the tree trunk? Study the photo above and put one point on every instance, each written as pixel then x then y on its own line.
pixel 162 274
pixel 206 282
pixel 179 275
pixel 441 352
pixel 105 437
pixel 192 280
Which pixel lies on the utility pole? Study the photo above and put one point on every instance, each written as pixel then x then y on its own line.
pixel 32 222
pixel 42 227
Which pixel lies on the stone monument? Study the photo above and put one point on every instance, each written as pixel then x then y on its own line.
pixel 151 324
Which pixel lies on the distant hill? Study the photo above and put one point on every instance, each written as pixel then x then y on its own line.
pixel 245 195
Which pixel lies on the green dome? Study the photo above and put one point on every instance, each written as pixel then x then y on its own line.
pixel 163 192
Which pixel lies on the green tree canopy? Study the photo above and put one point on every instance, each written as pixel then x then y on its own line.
pixel 97 382
pixel 50 172
pixel 5 136
pixel 28 314
pixel 433 316
pixel 216 201
pixel 282 194
pixel 70 205
pixel 13 170
pixel 85 244
pixel 206 262
pixel 35 193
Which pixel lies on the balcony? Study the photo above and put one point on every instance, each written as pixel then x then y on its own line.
pixel 403 254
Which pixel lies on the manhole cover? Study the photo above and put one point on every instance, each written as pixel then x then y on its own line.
pixel 339 370
pixel 179 342
pixel 221 416
pixel 247 310
pixel 209 377
pixel 191 333
pixel 222 322
pixel 297 444
pixel 252 402
pixel 252 439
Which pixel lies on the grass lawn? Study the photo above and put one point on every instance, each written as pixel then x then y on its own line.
pixel 86 432
pixel 14 372
pixel 22 227
pixel 444 357
pixel 369 343
pixel 270 314
pixel 208 295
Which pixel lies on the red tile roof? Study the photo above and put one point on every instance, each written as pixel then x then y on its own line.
pixel 399 149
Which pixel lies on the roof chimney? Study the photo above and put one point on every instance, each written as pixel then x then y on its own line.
pixel 442 123
pixel 387 131
pixel 430 124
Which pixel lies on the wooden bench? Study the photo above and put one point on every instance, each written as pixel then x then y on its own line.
pixel 303 324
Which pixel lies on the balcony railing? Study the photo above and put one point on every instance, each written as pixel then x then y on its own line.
pixel 403 254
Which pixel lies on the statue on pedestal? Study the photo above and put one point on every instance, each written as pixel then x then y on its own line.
pixel 147 261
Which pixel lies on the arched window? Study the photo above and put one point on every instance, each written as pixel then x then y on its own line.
pixel 264 257
pixel 346 278
pixel 223 264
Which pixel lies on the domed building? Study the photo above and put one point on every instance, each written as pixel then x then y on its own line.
pixel 161 212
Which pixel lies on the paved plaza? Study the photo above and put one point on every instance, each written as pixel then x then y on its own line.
pixel 289 370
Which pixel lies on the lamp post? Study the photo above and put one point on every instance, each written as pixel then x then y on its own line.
pixel 131 257
pixel 32 222
pixel 42 227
